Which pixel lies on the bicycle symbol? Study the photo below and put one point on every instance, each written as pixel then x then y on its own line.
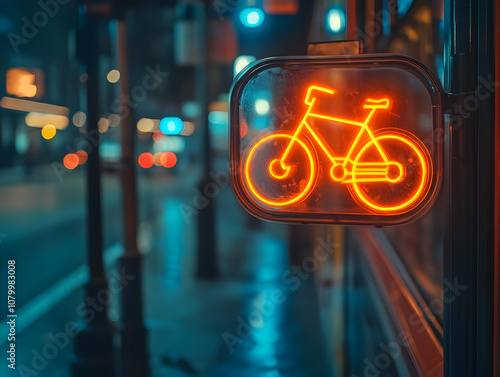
pixel 387 171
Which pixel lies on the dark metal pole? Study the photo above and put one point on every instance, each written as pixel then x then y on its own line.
pixel 94 344
pixel 460 253
pixel 207 254
pixel 469 257
pixel 134 348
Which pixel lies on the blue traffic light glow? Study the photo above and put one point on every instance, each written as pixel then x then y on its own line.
pixel 171 126
pixel 252 17
pixel 335 20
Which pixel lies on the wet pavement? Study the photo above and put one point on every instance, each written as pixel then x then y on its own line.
pixel 257 319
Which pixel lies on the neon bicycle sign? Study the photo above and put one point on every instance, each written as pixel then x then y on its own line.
pixel 350 169
pixel 295 173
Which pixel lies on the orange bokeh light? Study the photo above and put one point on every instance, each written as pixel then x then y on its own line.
pixel 157 158
pixel 146 160
pixel 71 161
pixel 372 168
pixel 168 159
pixel 21 83
pixel 82 157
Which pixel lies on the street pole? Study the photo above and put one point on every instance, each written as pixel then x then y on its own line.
pixel 134 347
pixel 94 343
pixel 207 254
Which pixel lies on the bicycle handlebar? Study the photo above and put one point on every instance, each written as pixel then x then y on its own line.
pixel 369 102
pixel 310 97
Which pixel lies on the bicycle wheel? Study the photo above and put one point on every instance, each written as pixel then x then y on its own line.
pixel 273 184
pixel 406 178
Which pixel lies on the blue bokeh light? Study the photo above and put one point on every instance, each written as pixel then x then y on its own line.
pixel 335 20
pixel 171 126
pixel 252 17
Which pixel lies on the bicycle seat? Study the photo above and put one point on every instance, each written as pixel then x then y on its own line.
pixel 376 103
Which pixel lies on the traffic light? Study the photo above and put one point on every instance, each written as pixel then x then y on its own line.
pixel 349 140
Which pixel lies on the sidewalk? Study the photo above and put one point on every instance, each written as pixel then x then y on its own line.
pixel 250 322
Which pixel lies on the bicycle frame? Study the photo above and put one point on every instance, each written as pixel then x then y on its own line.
pixel 372 171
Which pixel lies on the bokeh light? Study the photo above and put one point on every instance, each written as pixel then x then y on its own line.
pixel 168 159
pixel 157 136
pixel 71 161
pixel 103 125
pixel 335 20
pixel 113 76
pixel 48 131
pixel 146 125
pixel 171 125
pixel 243 129
pixel 114 120
pixel 82 157
pixel 262 106
pixel 35 119
pixel 79 118
pixel 146 160
pixel 252 17
pixel 188 129
pixel 241 62
pixel 157 158
pixel 190 109
pixel 21 82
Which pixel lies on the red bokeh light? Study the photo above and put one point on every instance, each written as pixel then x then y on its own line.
pixel 71 161
pixel 168 159
pixel 158 135
pixel 146 160
pixel 82 157
pixel 243 129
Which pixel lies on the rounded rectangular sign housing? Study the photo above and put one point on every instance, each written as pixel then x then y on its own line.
pixel 353 140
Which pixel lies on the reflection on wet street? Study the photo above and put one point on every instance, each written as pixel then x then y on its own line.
pixel 256 320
